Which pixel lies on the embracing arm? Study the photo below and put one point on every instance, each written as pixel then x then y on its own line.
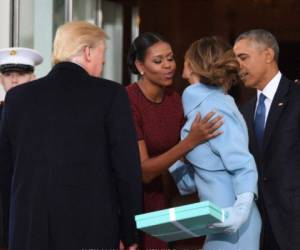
pixel 201 131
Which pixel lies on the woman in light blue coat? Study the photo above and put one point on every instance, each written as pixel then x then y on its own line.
pixel 221 170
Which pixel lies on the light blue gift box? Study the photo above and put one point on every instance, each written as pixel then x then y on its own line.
pixel 181 222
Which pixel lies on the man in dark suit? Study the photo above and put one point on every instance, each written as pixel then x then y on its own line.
pixel 273 119
pixel 68 147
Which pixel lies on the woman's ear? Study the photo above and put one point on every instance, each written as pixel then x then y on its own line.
pixel 140 67
pixel 187 71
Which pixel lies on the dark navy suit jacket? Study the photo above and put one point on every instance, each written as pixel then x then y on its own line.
pixel 279 163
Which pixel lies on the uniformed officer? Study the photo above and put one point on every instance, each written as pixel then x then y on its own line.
pixel 16 67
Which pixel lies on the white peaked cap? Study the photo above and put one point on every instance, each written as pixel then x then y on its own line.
pixel 20 55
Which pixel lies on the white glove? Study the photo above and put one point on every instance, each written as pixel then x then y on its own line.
pixel 237 215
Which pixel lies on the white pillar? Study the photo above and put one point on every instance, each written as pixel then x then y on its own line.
pixel 113 26
pixel 4 23
pixel 4 30
pixel 43 30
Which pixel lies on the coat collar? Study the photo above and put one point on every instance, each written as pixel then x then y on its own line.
pixel 69 66
pixel 194 95
pixel 278 105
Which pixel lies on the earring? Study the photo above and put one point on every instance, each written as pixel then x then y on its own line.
pixel 142 73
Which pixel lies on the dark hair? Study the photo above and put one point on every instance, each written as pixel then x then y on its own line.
pixel 212 59
pixel 262 37
pixel 139 48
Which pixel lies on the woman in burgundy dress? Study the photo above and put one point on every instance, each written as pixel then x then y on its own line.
pixel 158 116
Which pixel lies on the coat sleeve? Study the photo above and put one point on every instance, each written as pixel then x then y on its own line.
pixel 124 156
pixel 6 166
pixel 183 175
pixel 232 147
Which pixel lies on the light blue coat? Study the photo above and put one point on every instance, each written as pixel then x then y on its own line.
pixel 221 168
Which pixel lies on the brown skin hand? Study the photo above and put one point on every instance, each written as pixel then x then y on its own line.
pixel 201 131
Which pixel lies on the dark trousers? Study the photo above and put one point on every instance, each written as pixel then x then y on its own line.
pixel 268 240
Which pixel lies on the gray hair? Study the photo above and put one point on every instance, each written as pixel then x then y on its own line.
pixel 261 37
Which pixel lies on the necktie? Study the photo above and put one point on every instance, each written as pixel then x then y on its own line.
pixel 259 120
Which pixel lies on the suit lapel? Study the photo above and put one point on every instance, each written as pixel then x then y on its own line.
pixel 278 104
pixel 250 118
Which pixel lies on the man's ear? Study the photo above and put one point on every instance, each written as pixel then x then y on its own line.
pixel 87 53
pixel 32 77
pixel 270 55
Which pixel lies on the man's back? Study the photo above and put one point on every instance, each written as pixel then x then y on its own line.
pixel 75 162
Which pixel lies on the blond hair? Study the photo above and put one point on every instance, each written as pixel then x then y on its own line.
pixel 213 61
pixel 72 37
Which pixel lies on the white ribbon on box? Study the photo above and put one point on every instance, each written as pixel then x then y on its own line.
pixel 179 225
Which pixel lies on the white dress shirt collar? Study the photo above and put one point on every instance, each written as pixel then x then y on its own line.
pixel 270 89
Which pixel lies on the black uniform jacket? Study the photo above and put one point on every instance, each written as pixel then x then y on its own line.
pixel 3 210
